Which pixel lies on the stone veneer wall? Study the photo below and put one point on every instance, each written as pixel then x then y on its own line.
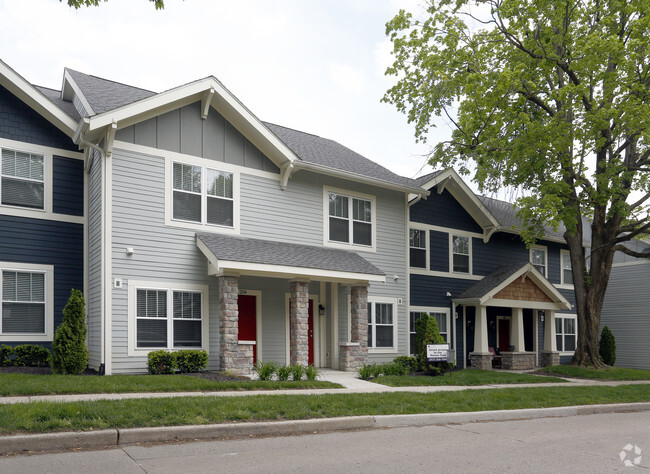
pixel 517 360
pixel 550 358
pixel 233 357
pixel 354 354
pixel 299 322
pixel 481 361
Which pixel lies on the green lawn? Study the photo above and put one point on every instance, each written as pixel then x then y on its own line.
pixel 612 373
pixel 26 384
pixel 464 377
pixel 49 416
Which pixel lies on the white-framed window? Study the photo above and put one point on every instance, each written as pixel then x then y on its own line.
pixel 382 324
pixel 566 271
pixel 566 332
pixel 349 219
pixel 418 248
pixel 22 182
pixel 202 195
pixel 27 298
pixel 167 316
pixel 460 250
pixel 442 318
pixel 538 257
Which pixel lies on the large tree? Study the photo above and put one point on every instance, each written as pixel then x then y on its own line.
pixel 552 96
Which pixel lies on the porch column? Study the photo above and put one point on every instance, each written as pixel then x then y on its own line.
pixel 232 357
pixel 299 322
pixel 481 357
pixel 517 330
pixel 354 354
pixel 550 355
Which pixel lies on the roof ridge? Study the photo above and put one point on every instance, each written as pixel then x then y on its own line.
pixel 111 81
pixel 298 131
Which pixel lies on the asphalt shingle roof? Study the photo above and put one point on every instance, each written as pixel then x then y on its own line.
pixel 55 96
pixel 491 281
pixel 422 180
pixel 240 249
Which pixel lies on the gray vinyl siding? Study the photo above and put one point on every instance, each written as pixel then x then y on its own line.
pixel 626 313
pixel 93 301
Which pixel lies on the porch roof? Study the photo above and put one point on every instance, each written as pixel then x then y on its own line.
pixel 488 291
pixel 240 255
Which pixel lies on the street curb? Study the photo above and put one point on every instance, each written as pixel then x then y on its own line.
pixel 111 438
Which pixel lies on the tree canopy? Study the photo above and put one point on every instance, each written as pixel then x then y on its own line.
pixel 551 96
pixel 159 4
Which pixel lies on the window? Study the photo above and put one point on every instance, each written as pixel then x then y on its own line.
pixel 441 319
pixel 418 248
pixel 167 318
pixel 23 302
pixel 381 325
pixel 565 333
pixel 567 272
pixel 202 195
pixel 460 251
pixel 538 259
pixel 22 180
pixel 350 219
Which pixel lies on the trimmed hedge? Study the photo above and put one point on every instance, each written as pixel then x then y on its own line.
pixel 31 355
pixel 166 362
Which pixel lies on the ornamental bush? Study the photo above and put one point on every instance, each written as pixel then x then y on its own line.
pixel 607 347
pixel 31 355
pixel 161 362
pixel 191 360
pixel 410 362
pixel 265 370
pixel 5 355
pixel 431 336
pixel 70 354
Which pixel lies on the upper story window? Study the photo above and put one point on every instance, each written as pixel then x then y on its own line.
pixel 202 195
pixel 26 295
pixel 418 248
pixel 350 219
pixel 460 254
pixel 538 259
pixel 567 271
pixel 23 179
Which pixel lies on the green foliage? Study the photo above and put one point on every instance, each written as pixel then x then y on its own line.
pixel 194 360
pixel 420 328
pixel 297 371
pixel 410 362
pixel 311 372
pixel 431 336
pixel 31 355
pixel 76 4
pixel 607 347
pixel 70 354
pixel 161 362
pixel 394 368
pixel 265 370
pixel 284 371
pixel 5 355
pixel 366 372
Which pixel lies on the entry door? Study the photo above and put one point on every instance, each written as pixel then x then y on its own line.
pixel 310 331
pixel 248 320
pixel 504 333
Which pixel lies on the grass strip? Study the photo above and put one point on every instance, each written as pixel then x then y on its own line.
pixel 83 416
pixel 464 377
pixel 611 373
pixel 27 384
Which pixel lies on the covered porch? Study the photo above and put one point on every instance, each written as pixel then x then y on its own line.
pixel 509 319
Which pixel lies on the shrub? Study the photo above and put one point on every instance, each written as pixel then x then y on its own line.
pixel 394 368
pixel 607 347
pixel 5 355
pixel 265 370
pixel 420 329
pixel 365 372
pixel 69 344
pixel 312 372
pixel 284 371
pixel 31 355
pixel 161 362
pixel 191 360
pixel 410 362
pixel 431 336
pixel 297 371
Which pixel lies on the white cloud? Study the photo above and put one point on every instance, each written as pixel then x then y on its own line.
pixel 347 78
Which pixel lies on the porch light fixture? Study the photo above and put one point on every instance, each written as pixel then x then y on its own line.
pixel 321 310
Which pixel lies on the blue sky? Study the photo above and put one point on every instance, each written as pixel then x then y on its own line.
pixel 317 66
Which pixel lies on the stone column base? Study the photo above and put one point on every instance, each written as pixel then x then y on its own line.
pixel 481 360
pixel 352 356
pixel 239 362
pixel 550 358
pixel 517 360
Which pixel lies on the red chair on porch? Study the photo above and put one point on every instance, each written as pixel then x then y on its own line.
pixel 496 359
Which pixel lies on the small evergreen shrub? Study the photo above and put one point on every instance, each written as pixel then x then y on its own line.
pixel 394 368
pixel 31 355
pixel 191 360
pixel 70 354
pixel 5 355
pixel 265 370
pixel 284 371
pixel 420 329
pixel 431 336
pixel 410 362
pixel 365 372
pixel 161 362
pixel 297 371
pixel 607 347
pixel 311 372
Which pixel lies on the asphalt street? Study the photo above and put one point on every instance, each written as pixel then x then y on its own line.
pixel 587 443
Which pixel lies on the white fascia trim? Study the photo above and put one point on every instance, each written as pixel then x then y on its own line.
pixel 69 81
pixel 35 99
pixel 445 230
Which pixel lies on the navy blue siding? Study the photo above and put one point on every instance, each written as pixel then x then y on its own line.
pixel 68 186
pixel 438 251
pixel 20 122
pixel 501 249
pixel 432 291
pixel 44 242
pixel 444 211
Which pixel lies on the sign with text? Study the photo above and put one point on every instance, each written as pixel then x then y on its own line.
pixel 437 352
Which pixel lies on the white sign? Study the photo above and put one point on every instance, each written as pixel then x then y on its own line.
pixel 437 352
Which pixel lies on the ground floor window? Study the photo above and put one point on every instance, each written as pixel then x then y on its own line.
pixel 441 318
pixel 566 332
pixel 382 324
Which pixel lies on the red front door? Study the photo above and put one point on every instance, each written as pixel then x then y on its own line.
pixel 310 331
pixel 504 334
pixel 248 320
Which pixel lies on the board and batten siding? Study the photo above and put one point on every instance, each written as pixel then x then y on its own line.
pixel 626 312
pixel 95 247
